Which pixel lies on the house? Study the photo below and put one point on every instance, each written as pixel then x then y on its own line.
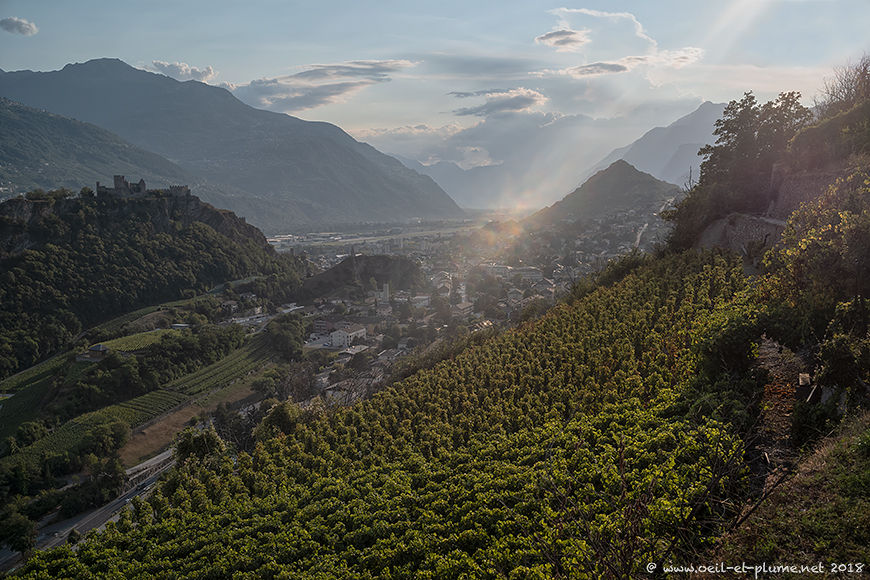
pixel 325 325
pixel 344 337
pixel 421 301
pixel 95 353
pixel 515 295
pixel 464 308
pixel 529 273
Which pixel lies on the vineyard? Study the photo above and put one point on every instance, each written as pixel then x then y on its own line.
pixel 142 409
pixel 115 326
pixel 33 374
pixel 586 443
pixel 230 368
pixel 79 433
pixel 137 341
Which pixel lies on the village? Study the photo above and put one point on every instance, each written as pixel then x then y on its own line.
pixel 476 278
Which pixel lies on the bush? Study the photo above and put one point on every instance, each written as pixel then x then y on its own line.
pixel 811 421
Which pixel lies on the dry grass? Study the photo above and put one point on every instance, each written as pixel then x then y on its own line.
pixel 820 514
pixel 157 436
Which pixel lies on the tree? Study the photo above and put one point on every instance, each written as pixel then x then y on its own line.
pixel 287 334
pixel 18 531
pixel 849 86
pixel 750 139
pixel 198 443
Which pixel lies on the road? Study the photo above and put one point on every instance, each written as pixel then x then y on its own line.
pixel 55 535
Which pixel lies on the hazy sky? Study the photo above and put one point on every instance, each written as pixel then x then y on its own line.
pixel 412 76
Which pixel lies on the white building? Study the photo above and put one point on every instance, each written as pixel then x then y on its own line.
pixel 344 337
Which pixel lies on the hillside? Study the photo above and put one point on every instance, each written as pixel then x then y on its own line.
pixel 286 172
pixel 619 187
pixel 668 153
pixel 42 150
pixel 493 463
pixel 618 430
pixel 70 262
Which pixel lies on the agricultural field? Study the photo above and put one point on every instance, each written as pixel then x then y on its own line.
pixel 230 368
pixel 137 341
pixel 82 432
pixel 23 406
pixel 142 409
pixel 115 326
pixel 35 373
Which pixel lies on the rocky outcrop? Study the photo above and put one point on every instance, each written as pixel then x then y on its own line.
pixel 752 235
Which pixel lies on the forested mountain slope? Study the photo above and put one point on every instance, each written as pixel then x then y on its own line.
pixel 67 262
pixel 42 150
pixel 619 187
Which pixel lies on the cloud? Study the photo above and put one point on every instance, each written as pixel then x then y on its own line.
pixel 595 69
pixel 439 64
pixel 376 70
pixel 564 39
pixel 317 85
pixel 613 16
pixel 667 58
pixel 183 71
pixel 613 41
pixel 498 101
pixel 18 26
pixel 409 132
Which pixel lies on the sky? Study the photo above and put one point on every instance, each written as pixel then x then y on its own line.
pixel 457 80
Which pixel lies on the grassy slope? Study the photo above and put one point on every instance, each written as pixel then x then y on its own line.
pixel 822 514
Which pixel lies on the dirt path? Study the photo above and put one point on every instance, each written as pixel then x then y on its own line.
pixel 773 443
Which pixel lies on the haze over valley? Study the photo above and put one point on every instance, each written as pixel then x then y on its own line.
pixel 467 290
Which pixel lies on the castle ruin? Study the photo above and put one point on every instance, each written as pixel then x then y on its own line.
pixel 124 188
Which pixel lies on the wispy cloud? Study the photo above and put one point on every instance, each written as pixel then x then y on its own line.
pixel 564 39
pixel 594 69
pixel 410 131
pixel 317 85
pixel 499 101
pixel 183 71
pixel 639 31
pixel 18 26
pixel 648 53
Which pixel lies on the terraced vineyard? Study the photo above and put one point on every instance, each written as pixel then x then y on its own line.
pixel 94 430
pixel 142 409
pixel 220 374
pixel 33 374
pixel 113 327
pixel 137 341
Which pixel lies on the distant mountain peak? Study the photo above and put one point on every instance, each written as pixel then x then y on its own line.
pixel 670 153
pixel 618 187
pixel 99 63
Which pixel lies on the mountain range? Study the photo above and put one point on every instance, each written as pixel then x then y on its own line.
pixel 668 153
pixel 280 172
pixel 671 153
